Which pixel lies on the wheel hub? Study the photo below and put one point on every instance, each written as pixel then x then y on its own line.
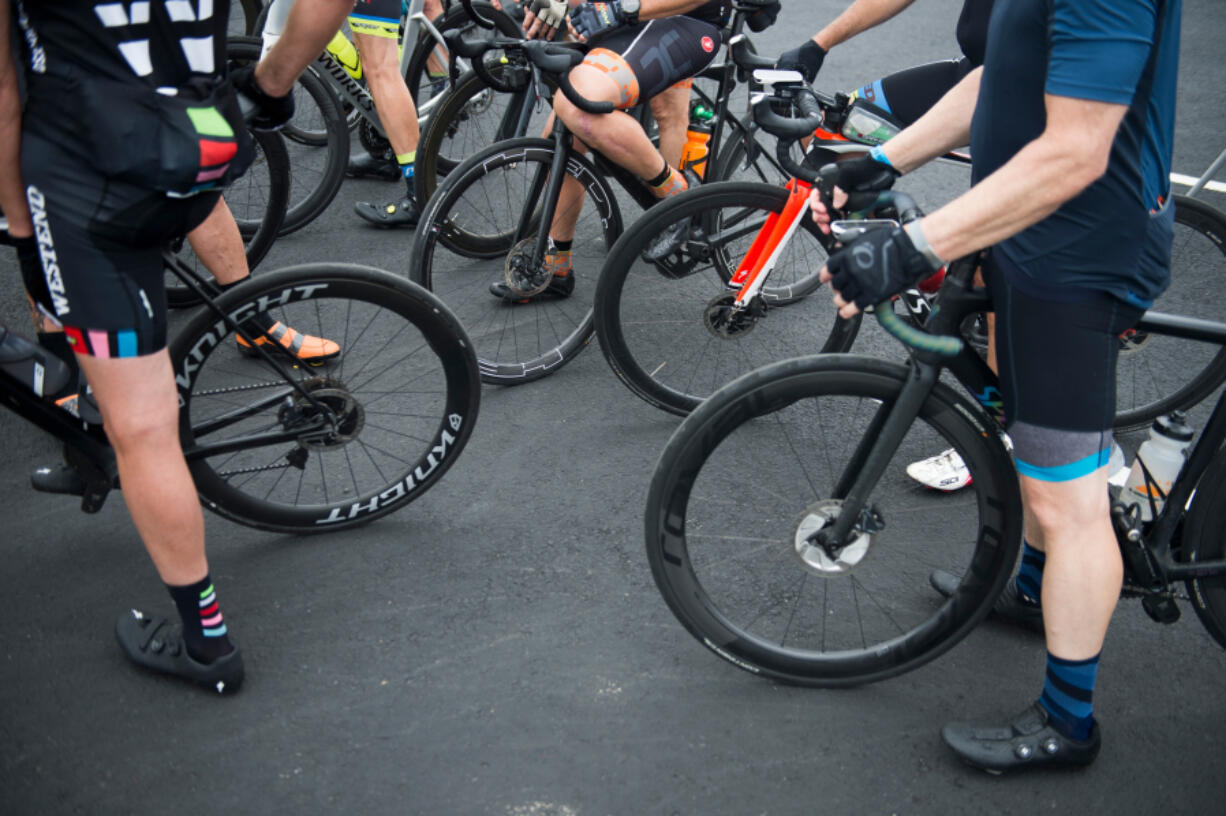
pixel 816 517
pixel 350 416
pixel 725 321
pixel 524 276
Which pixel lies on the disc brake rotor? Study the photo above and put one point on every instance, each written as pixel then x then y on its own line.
pixel 817 516
pixel 524 276
pixel 724 320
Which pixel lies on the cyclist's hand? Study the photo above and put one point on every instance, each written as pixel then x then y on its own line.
pixel 764 17
pixel 878 264
pixel 591 19
pixel 806 58
pixel 864 174
pixel 543 18
pixel 263 112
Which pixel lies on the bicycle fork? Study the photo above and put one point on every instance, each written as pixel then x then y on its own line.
pixel 763 254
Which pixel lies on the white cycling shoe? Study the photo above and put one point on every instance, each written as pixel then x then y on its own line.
pixel 945 471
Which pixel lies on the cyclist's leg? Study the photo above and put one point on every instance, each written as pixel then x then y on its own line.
pixel 671 110
pixel 908 94
pixel 376 26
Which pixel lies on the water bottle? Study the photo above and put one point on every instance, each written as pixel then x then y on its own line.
pixel 31 364
pixel 340 47
pixel 1163 455
pixel 697 139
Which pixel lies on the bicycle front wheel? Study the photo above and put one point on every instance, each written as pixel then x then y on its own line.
pixel 1147 384
pixel 751 475
pixel 482 222
pixel 1204 540
pixel 338 444
pixel 667 327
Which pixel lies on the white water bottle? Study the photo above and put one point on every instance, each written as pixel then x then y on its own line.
pixel 1163 454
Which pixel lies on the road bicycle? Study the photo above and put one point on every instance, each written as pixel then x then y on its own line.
pixel 483 222
pixel 675 328
pixel 278 445
pixel 331 98
pixel 783 533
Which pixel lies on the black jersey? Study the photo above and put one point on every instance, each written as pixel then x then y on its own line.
pixel 161 43
pixel 716 12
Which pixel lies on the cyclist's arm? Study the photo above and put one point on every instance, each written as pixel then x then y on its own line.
pixel 1068 156
pixel 945 126
pixel 309 27
pixel 12 196
pixel 859 16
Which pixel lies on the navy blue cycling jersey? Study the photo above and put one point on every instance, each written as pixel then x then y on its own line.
pixel 1115 236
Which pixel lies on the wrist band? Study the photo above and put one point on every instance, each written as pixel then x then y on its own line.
pixel 916 234
pixel 877 154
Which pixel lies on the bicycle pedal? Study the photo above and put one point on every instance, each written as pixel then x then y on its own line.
pixel 1161 608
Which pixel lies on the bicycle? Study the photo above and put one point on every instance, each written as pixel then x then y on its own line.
pixel 676 328
pixel 332 100
pixel 783 533
pixel 285 447
pixel 491 206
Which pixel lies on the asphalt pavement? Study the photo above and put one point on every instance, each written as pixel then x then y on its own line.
pixel 498 647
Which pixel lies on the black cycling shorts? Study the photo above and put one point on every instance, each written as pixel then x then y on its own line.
pixel 1056 361
pixel 101 245
pixel 908 94
pixel 651 57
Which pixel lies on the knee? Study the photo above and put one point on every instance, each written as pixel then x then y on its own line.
pixel 152 428
pixel 380 71
pixel 1057 507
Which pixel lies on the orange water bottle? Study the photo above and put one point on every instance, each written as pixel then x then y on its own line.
pixel 697 139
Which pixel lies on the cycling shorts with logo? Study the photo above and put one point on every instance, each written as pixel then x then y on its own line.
pixel 648 58
pixel 1056 361
pixel 378 18
pixel 101 244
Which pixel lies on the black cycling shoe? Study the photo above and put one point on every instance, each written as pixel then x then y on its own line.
pixel 60 478
pixel 559 287
pixel 671 238
pixel 1009 607
pixel 1028 741
pixel 373 167
pixel 156 644
pixel 402 213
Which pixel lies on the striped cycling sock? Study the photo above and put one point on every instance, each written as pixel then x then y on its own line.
pixel 405 160
pixel 1030 574
pixel 204 631
pixel 1068 695
pixel 669 183
pixel 557 257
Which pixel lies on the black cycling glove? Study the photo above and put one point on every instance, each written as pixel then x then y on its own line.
pixel 806 58
pixel 764 17
pixel 878 264
pixel 590 20
pixel 270 112
pixel 866 174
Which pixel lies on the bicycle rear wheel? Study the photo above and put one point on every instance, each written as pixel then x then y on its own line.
pixel 1148 383
pixel 1204 539
pixel 754 471
pixel 466 241
pixel 403 390
pixel 257 201
pixel 674 340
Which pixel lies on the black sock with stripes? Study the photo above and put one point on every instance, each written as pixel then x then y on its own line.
pixel 204 630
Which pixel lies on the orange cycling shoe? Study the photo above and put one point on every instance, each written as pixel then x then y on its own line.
pixel 304 348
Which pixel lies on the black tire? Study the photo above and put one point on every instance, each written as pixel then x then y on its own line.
pixel 660 335
pixel 426 91
pixel 743 478
pixel 1204 539
pixel 465 241
pixel 402 353
pixel 318 143
pixel 257 201
pixel 244 15
pixel 470 118
pixel 1147 384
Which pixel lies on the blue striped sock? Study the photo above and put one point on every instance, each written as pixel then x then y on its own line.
pixel 1030 575
pixel 1068 695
